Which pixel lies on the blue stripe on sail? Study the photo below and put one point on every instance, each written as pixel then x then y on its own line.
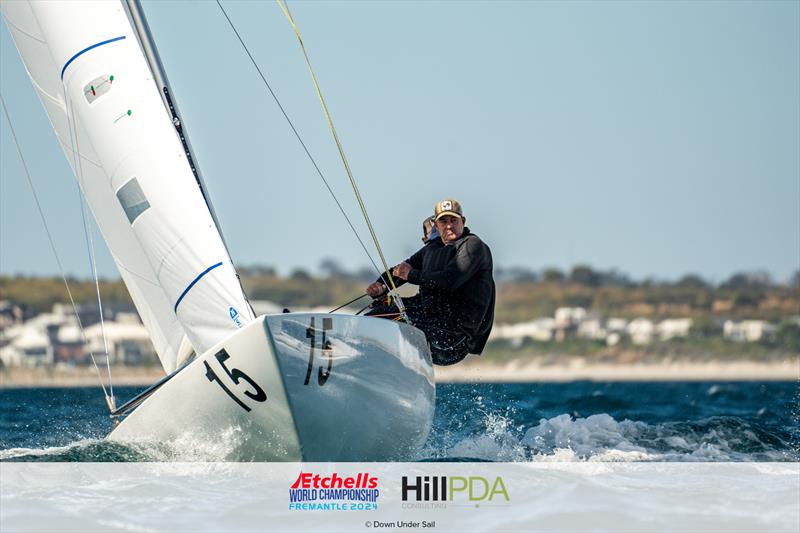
pixel 73 58
pixel 192 284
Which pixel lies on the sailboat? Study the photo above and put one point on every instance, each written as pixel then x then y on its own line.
pixel 293 386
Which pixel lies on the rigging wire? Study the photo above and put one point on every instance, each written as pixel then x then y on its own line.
pixel 340 148
pixel 354 300
pixel 52 245
pixel 300 140
pixel 87 232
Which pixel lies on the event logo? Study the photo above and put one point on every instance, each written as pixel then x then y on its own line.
pixel 454 488
pixel 313 492
pixel 235 317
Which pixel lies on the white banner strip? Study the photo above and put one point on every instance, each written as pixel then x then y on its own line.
pixel 441 497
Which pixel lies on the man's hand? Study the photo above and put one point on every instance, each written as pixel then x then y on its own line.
pixel 401 271
pixel 376 289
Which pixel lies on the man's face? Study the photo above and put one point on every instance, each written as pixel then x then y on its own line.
pixel 450 228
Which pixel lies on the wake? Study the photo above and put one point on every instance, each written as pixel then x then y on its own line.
pixel 601 438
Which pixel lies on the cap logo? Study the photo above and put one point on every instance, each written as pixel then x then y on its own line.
pixel 447 205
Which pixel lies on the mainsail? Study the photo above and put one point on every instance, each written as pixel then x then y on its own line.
pixel 108 115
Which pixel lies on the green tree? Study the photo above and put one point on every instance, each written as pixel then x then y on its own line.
pixel 300 275
pixel 692 281
pixel 584 275
pixel 552 274
pixel 788 336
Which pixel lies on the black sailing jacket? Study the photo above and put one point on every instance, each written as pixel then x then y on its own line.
pixel 456 286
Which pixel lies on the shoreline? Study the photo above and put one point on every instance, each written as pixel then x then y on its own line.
pixel 581 369
pixel 472 370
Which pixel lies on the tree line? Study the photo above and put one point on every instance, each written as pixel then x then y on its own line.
pixel 523 293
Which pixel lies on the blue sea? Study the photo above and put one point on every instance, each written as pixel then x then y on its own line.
pixel 579 421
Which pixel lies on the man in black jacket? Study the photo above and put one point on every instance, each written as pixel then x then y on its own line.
pixel 455 304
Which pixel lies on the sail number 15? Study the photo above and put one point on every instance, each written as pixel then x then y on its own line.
pixel 327 351
pixel 237 376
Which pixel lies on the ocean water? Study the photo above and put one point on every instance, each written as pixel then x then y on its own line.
pixel 535 422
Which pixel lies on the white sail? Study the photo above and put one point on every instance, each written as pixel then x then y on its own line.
pixel 99 94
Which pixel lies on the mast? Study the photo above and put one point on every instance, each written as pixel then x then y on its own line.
pixel 147 43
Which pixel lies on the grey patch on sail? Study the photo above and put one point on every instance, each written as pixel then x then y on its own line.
pixel 97 88
pixel 132 199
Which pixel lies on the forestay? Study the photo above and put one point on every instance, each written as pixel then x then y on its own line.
pixel 99 94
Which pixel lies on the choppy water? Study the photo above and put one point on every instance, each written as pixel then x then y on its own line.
pixel 582 421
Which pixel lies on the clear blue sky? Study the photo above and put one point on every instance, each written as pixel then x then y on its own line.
pixel 657 138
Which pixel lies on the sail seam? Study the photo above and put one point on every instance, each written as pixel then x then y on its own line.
pixel 27 34
pixel 88 48
pixel 192 284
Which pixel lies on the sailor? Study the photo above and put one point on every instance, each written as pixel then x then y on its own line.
pixel 455 303
pixel 429 233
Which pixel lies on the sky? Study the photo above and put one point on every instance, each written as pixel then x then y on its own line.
pixel 657 138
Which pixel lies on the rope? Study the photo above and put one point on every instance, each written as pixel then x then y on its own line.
pixel 300 139
pixel 348 303
pixel 339 147
pixel 52 244
pixel 87 233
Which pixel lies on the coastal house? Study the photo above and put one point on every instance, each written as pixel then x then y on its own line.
pixel 747 330
pixel 567 321
pixel 33 342
pixel 672 328
pixel 56 338
pixel 616 325
pixel 10 314
pixel 569 316
pixel 592 329
pixel 26 346
pixel 641 331
pixel 615 329
pixel 540 329
pixel 127 340
pixel 68 345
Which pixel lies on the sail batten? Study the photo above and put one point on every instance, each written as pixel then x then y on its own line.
pixel 99 92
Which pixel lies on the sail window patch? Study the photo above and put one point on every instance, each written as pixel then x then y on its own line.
pixel 98 87
pixel 133 200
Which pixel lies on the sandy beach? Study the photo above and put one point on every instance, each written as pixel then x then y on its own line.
pixel 77 377
pixel 473 370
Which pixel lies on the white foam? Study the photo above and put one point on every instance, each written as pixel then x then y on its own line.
pixel 586 437
pixel 13 453
pixel 601 438
pixel 194 446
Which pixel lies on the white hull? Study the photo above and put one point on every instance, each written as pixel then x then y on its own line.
pixel 311 387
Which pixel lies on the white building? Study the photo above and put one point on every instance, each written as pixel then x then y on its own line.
pixel 672 328
pixel 618 325
pixel 569 316
pixel 747 330
pixel 128 343
pixel 592 329
pixel 9 314
pixel 641 331
pixel 540 329
pixel 31 343
pixel 27 346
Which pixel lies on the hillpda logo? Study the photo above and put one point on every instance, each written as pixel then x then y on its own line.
pixel 313 492
pixel 437 491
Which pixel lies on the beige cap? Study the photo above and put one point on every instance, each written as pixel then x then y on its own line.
pixel 447 207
